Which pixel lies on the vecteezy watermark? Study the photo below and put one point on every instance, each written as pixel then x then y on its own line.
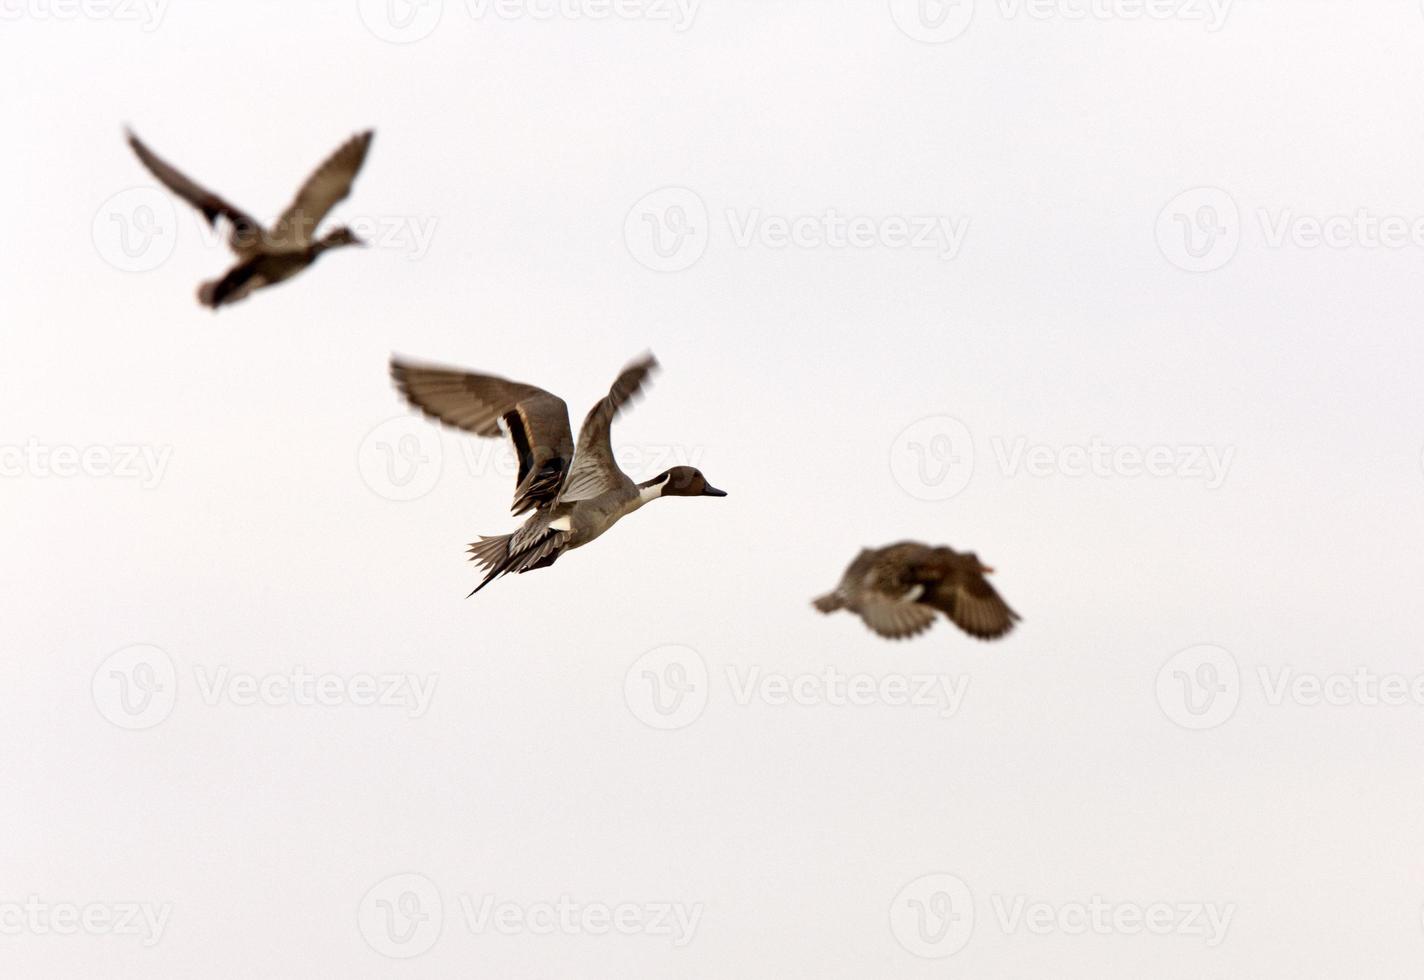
pixel 674 921
pixel 1206 921
pixel 1201 687
pixel 1211 14
pixel 137 230
pixel 933 917
pixel 829 687
pixel 403 458
pixel 408 21
pixel 300 688
pixel 35 917
pixel 670 229
pixel 1201 230
pixel 1100 459
pixel 146 13
pixel 933 459
pixel 942 235
pixel 932 21
pixel 137 687
pixel 940 21
pixel 403 916
pixel 669 687
pixel 143 464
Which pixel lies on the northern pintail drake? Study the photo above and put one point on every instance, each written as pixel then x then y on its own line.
pixel 575 492
pixel 265 256
pixel 898 589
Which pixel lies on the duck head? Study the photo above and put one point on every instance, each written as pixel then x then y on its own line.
pixel 972 560
pixel 339 237
pixel 683 481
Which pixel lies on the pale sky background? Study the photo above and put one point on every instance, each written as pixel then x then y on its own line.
pixel 798 379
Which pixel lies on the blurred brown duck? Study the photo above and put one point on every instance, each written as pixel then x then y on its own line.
pixel 266 257
pixel 898 589
pixel 575 492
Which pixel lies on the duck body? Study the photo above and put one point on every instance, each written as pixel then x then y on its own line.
pixel 261 268
pixel 268 256
pixel 575 493
pixel 897 591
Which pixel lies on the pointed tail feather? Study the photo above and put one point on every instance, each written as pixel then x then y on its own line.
pixel 829 602
pixel 495 557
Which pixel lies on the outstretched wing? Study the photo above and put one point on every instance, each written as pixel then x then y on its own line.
pixel 324 189
pixel 895 619
pixel 595 471
pixel 245 230
pixel 974 606
pixel 538 422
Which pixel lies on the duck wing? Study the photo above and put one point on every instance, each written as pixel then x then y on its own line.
pixel 246 232
pixel 895 619
pixel 537 422
pixel 973 604
pixel 324 189
pixel 595 471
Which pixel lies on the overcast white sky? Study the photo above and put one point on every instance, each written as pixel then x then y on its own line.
pixel 1128 304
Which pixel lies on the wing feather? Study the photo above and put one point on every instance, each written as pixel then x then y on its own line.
pixel 246 232
pixel 537 422
pixel 595 471
pixel 327 187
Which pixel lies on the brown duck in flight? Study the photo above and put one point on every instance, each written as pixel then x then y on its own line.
pixel 575 492
pixel 898 589
pixel 265 256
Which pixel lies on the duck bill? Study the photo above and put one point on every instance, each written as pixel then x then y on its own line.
pixel 711 491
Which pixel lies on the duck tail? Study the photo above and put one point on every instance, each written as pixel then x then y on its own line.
pixel 829 602
pixel 492 555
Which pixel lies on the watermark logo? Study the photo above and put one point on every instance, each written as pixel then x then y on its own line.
pixel 136 230
pixel 933 459
pixel 1200 230
pixel 667 687
pixel 401 21
pixel 402 458
pixel 136 687
pixel 1200 687
pixel 933 916
pixel 932 21
pixel 401 916
pixel 667 230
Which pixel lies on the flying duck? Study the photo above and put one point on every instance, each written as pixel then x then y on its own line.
pixel 575 493
pixel 266 257
pixel 898 589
